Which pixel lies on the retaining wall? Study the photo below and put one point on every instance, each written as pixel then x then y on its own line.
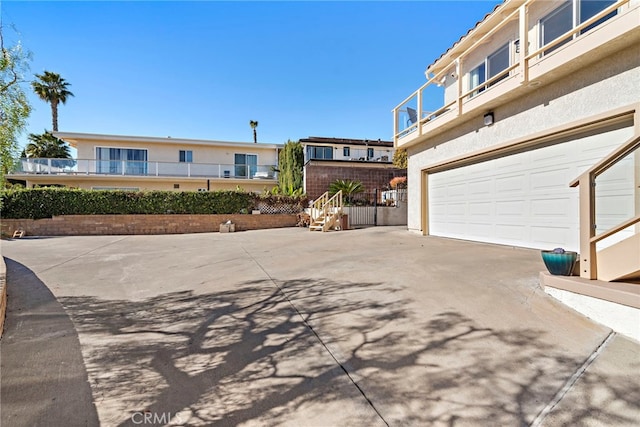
pixel 3 293
pixel 88 225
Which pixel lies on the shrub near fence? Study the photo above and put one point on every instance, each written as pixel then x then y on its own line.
pixel 49 202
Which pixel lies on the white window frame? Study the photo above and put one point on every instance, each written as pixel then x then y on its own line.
pixel 114 166
pixel 325 148
pixel 576 20
pixel 187 155
pixel 237 166
pixel 485 63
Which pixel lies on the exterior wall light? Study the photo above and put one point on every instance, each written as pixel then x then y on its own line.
pixel 488 119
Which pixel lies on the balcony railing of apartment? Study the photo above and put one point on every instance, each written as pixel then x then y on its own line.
pixel 355 154
pixel 140 168
pixel 413 113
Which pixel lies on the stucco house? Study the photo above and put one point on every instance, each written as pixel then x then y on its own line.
pixel 526 133
pixel 152 163
pixel 327 159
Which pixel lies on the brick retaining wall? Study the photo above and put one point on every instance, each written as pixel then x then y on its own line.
pixel 87 225
pixel 319 175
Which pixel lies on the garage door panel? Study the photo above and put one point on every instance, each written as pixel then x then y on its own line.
pixel 481 229
pixel 481 208
pixel 549 179
pixel 456 190
pixel 510 208
pixel 481 188
pixel 510 232
pixel 525 200
pixel 457 210
pixel 546 207
pixel 550 237
pixel 514 183
pixel 552 155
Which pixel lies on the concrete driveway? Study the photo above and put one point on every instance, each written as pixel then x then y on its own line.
pixel 364 327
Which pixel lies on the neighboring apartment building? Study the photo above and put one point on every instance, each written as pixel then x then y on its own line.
pixel 329 159
pixel 151 163
pixel 531 100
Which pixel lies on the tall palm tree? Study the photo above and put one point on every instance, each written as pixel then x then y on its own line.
pixel 254 125
pixel 52 88
pixel 46 146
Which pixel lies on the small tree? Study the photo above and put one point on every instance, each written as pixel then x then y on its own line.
pixel 347 186
pixel 400 158
pixel 291 164
pixel 14 107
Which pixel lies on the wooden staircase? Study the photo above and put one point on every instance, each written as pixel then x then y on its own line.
pixel 325 212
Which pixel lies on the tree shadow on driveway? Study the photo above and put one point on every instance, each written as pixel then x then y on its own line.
pixel 317 352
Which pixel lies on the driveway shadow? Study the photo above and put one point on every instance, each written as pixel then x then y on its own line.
pixel 264 355
pixel 44 381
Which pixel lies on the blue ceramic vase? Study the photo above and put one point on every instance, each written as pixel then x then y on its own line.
pixel 559 263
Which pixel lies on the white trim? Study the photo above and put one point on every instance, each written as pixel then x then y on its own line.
pixel 72 137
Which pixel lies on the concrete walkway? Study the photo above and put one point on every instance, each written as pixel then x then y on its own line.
pixel 286 327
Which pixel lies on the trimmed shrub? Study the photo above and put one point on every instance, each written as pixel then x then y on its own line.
pixel 40 203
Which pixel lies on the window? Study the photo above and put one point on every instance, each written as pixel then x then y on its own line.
pixel 346 152
pixel 591 8
pixel 121 161
pixel 555 24
pixel 369 153
pixel 492 66
pixel 246 165
pixel 319 152
pixel 186 156
pixel 566 17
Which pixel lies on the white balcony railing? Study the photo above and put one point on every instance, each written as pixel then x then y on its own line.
pixel 424 110
pixel 139 168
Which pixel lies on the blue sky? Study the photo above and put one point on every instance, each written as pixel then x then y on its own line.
pixel 203 69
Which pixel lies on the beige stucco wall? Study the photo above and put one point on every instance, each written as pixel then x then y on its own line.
pixel 152 183
pixel 607 84
pixel 167 152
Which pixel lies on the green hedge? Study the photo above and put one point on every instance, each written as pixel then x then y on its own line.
pixel 46 202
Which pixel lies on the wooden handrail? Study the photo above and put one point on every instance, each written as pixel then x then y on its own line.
pixel 614 157
pixel 586 181
pixel 504 73
pixel 614 230
pixel 524 61
pixel 561 39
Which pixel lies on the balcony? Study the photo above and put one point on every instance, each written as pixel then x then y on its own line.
pixel 129 168
pixel 448 98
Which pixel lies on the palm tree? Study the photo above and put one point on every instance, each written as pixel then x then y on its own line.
pixel 46 146
pixel 53 89
pixel 254 125
pixel 347 186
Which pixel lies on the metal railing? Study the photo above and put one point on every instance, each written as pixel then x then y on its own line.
pixel 141 168
pixel 411 114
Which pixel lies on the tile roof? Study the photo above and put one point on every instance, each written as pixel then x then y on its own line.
pixel 498 6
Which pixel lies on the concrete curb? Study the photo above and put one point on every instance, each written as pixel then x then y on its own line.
pixel 3 293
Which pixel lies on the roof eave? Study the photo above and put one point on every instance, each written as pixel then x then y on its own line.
pixel 481 28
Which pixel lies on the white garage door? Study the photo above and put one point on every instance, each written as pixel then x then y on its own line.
pixel 525 200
